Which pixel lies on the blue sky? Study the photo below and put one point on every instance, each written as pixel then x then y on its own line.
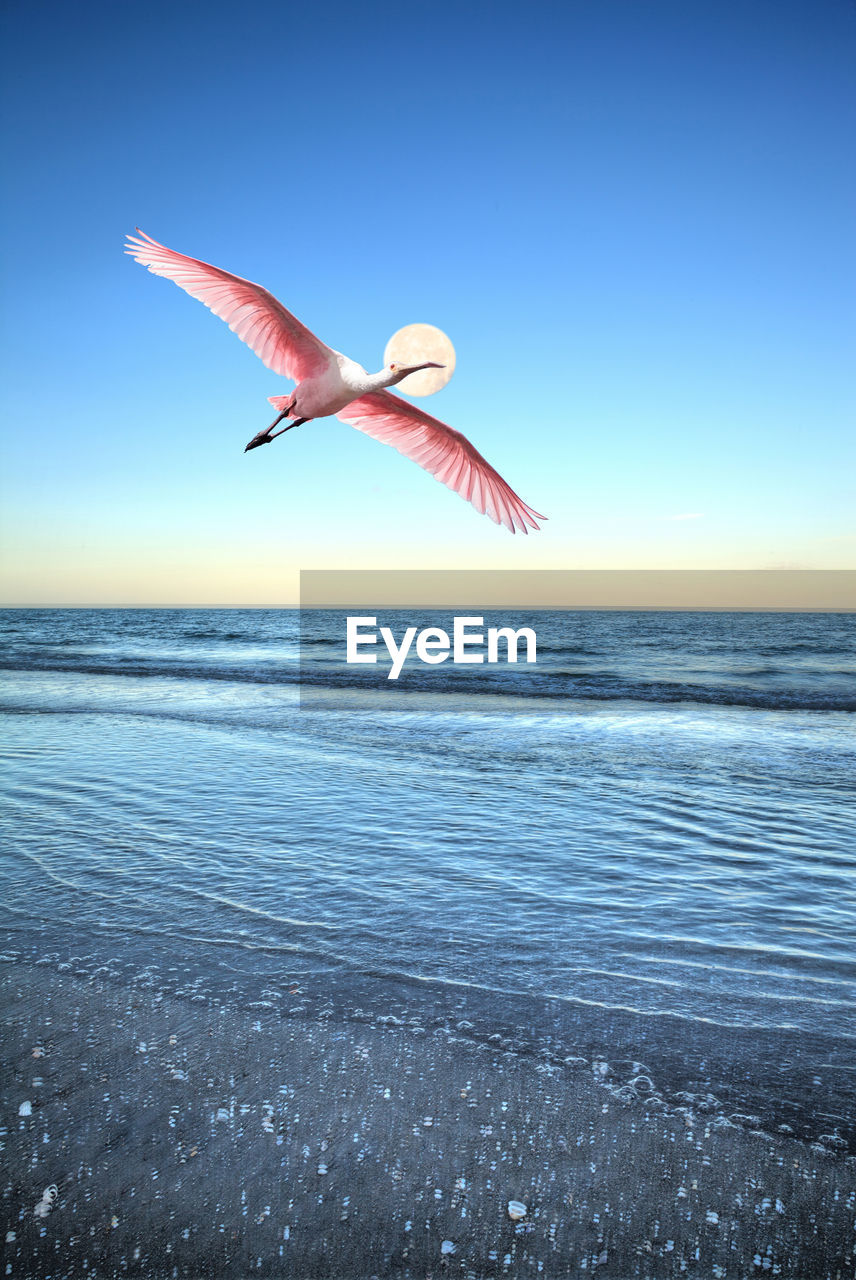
pixel 633 220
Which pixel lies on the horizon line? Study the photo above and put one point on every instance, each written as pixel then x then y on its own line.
pixel 494 608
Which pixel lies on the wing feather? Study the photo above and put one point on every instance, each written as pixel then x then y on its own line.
pixel 277 337
pixel 445 453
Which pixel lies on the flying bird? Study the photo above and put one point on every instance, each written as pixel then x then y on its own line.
pixel 330 383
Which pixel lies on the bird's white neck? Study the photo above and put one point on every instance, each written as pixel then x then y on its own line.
pixel 357 379
pixel 385 378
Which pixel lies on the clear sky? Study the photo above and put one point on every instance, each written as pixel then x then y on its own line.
pixel 635 222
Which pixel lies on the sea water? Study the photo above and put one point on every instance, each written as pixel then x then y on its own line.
pixel 636 858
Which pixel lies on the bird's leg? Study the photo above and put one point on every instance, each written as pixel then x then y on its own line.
pixel 265 437
pixel 298 422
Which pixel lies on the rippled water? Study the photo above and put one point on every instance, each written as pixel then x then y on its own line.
pixel 653 860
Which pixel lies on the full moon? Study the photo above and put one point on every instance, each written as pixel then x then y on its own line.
pixel 414 344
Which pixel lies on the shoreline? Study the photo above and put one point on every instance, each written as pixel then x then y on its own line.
pixel 187 1139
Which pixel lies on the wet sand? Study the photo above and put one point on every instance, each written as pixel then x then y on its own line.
pixel 188 1140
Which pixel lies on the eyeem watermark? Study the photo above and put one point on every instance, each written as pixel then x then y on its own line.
pixel 433 645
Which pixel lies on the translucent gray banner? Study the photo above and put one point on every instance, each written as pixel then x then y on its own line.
pixel 497 641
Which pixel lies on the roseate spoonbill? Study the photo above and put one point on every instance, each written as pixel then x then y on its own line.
pixel 330 383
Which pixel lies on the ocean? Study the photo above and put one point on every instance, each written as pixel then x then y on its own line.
pixel 635 859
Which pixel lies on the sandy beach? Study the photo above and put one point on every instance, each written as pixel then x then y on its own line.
pixel 189 1140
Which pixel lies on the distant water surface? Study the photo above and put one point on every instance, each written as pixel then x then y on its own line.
pixel 649 866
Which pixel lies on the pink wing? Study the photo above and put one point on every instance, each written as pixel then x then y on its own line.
pixel 277 337
pixel 447 454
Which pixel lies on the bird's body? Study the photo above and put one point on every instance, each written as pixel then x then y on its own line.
pixel 343 381
pixel 330 383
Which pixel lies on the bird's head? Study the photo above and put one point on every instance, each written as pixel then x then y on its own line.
pixel 397 371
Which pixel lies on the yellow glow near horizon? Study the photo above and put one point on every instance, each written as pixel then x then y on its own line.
pixel 256 562
pixel 250 575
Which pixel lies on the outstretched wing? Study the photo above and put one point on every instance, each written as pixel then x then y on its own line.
pixel 447 454
pixel 277 337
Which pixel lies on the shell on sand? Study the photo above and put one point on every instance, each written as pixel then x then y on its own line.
pixel 49 1194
